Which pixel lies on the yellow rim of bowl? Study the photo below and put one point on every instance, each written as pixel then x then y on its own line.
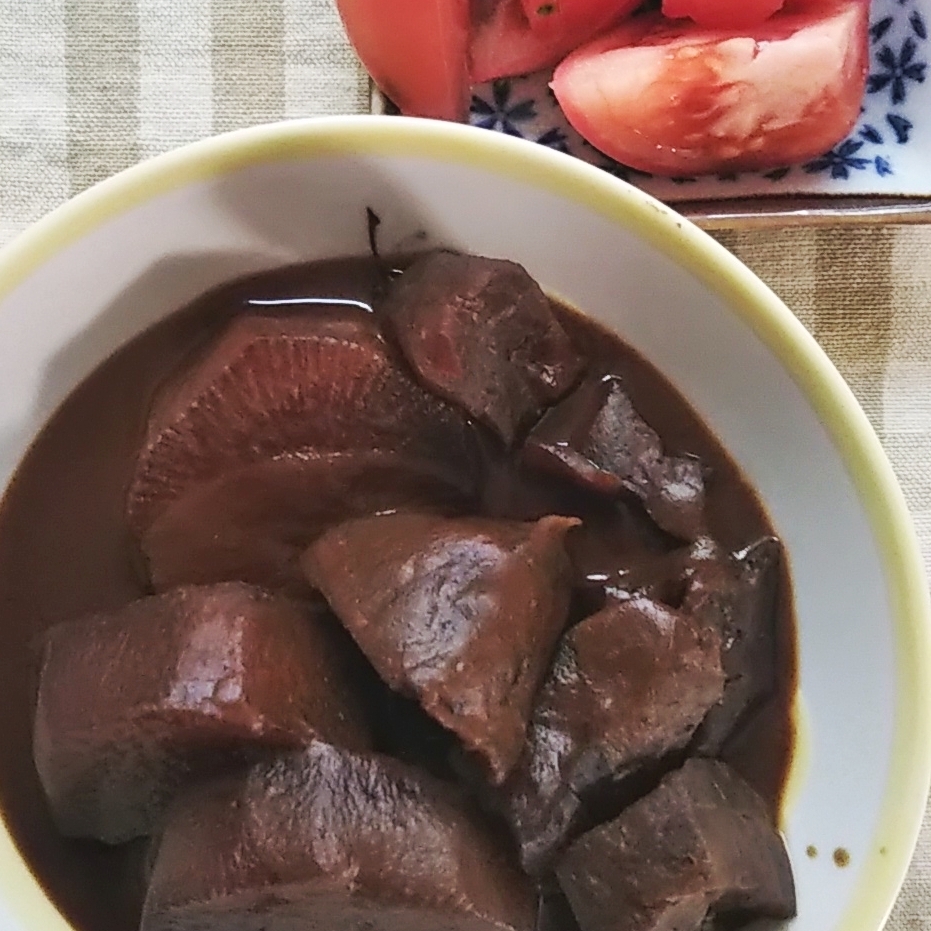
pixel 909 776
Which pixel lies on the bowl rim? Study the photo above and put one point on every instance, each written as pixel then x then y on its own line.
pixel 909 777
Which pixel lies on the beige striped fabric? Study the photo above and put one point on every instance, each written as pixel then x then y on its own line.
pixel 88 87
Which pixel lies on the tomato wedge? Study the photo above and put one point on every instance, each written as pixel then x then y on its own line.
pixel 415 50
pixel 677 99
pixel 723 14
pixel 519 36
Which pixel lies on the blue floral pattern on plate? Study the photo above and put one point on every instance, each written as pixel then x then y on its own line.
pixel 888 152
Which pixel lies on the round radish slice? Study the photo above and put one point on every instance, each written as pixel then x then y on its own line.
pixel 723 14
pixel 519 36
pixel 676 99
pixel 415 50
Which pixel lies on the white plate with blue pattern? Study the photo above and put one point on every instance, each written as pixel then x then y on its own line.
pixel 886 158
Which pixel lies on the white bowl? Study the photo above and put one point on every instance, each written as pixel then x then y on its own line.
pixel 131 250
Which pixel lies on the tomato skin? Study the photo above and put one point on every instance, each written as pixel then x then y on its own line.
pixel 671 98
pixel 723 14
pixel 515 37
pixel 415 50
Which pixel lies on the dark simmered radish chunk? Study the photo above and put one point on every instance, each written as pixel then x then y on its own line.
pixel 737 594
pixel 596 438
pixel 330 840
pixel 482 334
pixel 629 685
pixel 295 389
pixel 133 703
pixel 461 613
pixel 699 844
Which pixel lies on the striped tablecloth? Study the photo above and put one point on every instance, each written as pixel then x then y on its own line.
pixel 88 87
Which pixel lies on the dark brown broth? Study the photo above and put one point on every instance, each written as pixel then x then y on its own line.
pixel 65 550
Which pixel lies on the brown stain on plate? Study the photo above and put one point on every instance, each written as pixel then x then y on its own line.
pixel 841 857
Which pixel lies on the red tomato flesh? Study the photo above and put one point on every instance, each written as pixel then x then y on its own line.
pixel 520 36
pixel 415 50
pixel 677 99
pixel 723 14
pixel 552 17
